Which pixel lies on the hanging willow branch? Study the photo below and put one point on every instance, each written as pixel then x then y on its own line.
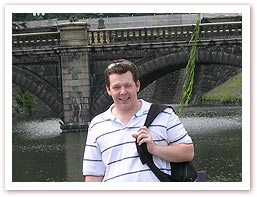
pixel 189 80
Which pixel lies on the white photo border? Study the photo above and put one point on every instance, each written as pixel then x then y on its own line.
pixel 169 8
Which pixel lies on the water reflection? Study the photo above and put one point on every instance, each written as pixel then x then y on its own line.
pixel 42 153
pixel 215 124
pixel 217 136
pixel 37 129
pixel 219 154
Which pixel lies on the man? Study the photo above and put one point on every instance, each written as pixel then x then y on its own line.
pixel 110 151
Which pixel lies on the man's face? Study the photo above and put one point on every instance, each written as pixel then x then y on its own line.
pixel 123 90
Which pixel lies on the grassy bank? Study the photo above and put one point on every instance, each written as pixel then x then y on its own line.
pixel 230 92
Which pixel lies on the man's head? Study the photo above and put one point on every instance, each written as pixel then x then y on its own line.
pixel 122 83
pixel 121 66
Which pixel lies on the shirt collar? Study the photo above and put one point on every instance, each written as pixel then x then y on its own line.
pixel 107 115
pixel 144 108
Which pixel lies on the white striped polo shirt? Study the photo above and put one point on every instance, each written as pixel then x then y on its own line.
pixel 111 152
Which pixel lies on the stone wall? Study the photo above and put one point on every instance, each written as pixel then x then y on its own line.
pixel 210 76
pixel 167 89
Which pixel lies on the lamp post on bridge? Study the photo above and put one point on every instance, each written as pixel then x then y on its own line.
pixel 101 22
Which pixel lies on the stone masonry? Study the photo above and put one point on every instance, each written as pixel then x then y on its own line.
pixel 75 75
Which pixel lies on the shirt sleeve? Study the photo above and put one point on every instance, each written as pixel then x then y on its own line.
pixel 92 160
pixel 176 131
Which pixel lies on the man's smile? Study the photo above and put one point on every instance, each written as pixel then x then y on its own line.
pixel 124 98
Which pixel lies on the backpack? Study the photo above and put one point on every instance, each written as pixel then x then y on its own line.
pixel 180 172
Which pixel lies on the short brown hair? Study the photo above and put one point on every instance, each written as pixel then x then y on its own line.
pixel 121 66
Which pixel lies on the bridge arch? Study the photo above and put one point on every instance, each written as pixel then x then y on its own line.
pixel 156 68
pixel 39 87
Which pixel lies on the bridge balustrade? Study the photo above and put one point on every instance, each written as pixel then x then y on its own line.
pixel 140 35
pixel 143 35
pixel 163 33
pixel 36 40
pixel 221 30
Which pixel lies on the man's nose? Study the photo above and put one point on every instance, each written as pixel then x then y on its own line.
pixel 123 90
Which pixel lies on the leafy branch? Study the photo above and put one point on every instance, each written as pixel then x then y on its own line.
pixel 187 88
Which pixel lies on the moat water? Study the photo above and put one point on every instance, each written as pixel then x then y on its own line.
pixel 42 153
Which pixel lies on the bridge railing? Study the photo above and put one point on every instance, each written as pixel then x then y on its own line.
pixel 163 33
pixel 36 40
pixel 221 30
pixel 118 36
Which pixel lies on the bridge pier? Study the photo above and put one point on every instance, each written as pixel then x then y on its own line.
pixel 75 76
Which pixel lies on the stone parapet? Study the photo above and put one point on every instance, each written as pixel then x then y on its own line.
pixel 73 34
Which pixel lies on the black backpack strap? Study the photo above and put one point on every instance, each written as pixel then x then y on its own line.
pixel 145 156
pixel 183 171
pixel 154 111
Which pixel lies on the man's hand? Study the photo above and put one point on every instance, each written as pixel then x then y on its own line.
pixel 143 136
pixel 171 153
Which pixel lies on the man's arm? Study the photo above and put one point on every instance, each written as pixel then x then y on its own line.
pixel 172 153
pixel 93 178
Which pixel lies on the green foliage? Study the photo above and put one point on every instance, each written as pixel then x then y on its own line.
pixel 224 100
pixel 189 78
pixel 229 92
pixel 25 102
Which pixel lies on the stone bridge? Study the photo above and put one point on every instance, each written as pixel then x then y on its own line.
pixel 64 67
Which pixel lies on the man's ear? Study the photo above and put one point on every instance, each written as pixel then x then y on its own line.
pixel 138 85
pixel 108 90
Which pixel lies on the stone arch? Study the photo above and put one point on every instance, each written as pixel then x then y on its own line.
pixel 39 87
pixel 156 68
